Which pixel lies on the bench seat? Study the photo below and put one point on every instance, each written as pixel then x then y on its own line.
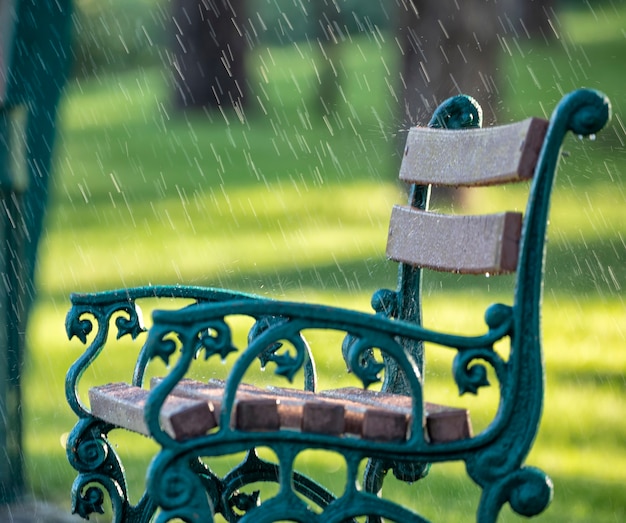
pixel 193 409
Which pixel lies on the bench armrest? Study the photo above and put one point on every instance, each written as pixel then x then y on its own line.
pixel 120 307
pixel 202 330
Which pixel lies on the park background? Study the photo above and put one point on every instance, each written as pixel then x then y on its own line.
pixel 285 201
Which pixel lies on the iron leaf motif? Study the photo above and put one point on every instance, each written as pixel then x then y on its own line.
pixel 74 326
pixel 469 377
pixel 286 365
pixel 163 349
pixel 216 339
pixel 132 325
pixel 89 503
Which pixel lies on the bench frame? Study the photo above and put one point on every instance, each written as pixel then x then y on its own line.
pixel 183 486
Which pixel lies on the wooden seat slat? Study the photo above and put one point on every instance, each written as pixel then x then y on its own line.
pixel 123 405
pixel 443 423
pixel 254 407
pixel 194 408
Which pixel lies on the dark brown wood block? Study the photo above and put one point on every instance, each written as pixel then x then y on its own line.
pixel 254 413
pixel 297 409
pixel 323 417
pixel 465 244
pixel 364 413
pixel 492 155
pixel 251 410
pixel 445 424
pixel 123 405
pixel 384 424
pixel 442 423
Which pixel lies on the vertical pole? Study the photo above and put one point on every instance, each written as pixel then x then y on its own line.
pixel 11 310
pixel 12 315
pixel 34 63
pixel 12 323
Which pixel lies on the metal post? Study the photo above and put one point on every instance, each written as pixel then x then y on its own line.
pixel 34 60
pixel 11 311
pixel 12 323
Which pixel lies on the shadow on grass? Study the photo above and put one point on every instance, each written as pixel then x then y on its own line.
pixel 593 268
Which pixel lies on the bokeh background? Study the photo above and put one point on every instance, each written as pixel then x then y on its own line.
pixel 282 184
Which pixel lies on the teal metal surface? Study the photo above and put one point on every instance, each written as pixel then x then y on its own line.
pixel 180 482
pixel 34 62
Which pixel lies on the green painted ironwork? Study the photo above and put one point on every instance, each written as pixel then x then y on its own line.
pixel 180 483
pixel 34 62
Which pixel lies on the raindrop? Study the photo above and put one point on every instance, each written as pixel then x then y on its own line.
pixel 487 275
pixel 592 137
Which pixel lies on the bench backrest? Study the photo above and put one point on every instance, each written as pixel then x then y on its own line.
pixel 455 152
pixel 458 243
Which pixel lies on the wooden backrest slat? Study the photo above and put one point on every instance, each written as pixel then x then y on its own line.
pixel 465 244
pixel 473 157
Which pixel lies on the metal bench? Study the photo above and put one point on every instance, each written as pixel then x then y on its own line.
pixel 393 428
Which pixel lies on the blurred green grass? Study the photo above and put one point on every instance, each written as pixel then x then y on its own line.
pixel 285 203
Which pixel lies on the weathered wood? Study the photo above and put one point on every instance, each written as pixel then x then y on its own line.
pixel 123 405
pixel 465 244
pixel 297 409
pixel 492 155
pixel 251 410
pixel 323 418
pixel 445 423
pixel 442 423
pixel 193 409
pixel 363 413
pixel 258 411
pixel 257 414
pixel 362 420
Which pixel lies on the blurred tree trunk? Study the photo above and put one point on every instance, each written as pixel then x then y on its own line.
pixel 329 32
pixel 208 53
pixel 448 47
pixel 531 18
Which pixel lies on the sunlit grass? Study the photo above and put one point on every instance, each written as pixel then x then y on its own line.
pixel 211 236
pixel 285 204
pixel 594 22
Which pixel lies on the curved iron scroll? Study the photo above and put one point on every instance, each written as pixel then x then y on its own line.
pixel 365 333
